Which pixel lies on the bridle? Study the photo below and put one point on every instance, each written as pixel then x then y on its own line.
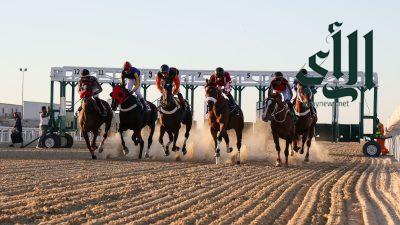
pixel 274 113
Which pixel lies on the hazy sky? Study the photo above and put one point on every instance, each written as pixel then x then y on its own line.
pixel 240 35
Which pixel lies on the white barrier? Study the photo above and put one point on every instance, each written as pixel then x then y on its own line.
pixel 394 146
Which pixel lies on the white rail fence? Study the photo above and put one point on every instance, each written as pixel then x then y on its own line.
pixel 394 146
pixel 29 134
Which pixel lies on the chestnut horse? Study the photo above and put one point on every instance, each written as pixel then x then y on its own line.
pixel 90 120
pixel 305 124
pixel 282 124
pixel 132 117
pixel 221 120
pixel 172 115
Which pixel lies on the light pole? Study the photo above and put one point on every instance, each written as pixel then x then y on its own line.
pixel 23 70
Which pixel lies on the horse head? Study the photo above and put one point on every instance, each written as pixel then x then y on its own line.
pixel 272 103
pixel 118 96
pixel 167 96
pixel 212 94
pixel 88 105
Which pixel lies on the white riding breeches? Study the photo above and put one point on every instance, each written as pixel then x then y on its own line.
pixel 129 86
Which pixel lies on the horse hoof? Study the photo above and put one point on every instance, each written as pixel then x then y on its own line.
pixel 237 162
pixel 184 151
pixel 175 148
pixel 301 151
pixel 167 152
pixel 94 157
pixel 292 153
pixel 101 149
pixel 217 160
pixel 126 151
pixel 306 160
pixel 229 150
pixel 296 149
pixel 147 156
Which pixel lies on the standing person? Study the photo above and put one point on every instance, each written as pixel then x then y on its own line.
pixel 380 133
pixel 130 78
pixel 16 134
pixel 44 121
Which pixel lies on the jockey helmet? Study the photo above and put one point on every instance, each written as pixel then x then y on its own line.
pixel 303 71
pixel 219 72
pixel 278 74
pixel 127 66
pixel 164 68
pixel 85 72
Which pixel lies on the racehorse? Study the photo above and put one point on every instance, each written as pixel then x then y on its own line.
pixel 305 124
pixel 132 117
pixel 90 120
pixel 172 115
pixel 282 124
pixel 221 120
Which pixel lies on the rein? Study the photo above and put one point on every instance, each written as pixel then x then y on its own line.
pixel 277 113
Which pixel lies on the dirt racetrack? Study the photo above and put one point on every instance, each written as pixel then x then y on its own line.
pixel 64 186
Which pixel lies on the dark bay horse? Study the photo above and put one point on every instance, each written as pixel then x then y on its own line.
pixel 132 117
pixel 90 120
pixel 221 120
pixel 172 115
pixel 282 124
pixel 305 124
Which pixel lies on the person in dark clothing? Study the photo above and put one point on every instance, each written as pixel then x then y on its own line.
pixel 16 134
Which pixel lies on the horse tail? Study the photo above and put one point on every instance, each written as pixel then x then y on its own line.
pixel 188 122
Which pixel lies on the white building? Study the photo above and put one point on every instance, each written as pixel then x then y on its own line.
pixel 32 109
pixel 7 110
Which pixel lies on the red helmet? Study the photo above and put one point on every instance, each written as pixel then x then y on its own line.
pixel 127 66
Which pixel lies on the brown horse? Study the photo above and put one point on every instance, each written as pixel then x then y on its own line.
pixel 90 120
pixel 221 120
pixel 305 125
pixel 133 117
pixel 172 115
pixel 282 124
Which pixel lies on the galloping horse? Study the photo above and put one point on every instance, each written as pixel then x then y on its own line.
pixel 90 120
pixel 171 118
pixel 132 117
pixel 221 120
pixel 282 124
pixel 306 121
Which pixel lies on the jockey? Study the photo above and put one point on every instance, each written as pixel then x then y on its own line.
pixel 171 74
pixel 224 82
pixel 281 86
pixel 309 90
pixel 89 86
pixel 130 78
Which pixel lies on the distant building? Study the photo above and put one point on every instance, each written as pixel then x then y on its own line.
pixel 7 110
pixel 32 109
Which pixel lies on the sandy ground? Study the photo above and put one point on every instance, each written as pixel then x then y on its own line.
pixel 63 186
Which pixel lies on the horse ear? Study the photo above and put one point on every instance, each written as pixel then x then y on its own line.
pixel 207 81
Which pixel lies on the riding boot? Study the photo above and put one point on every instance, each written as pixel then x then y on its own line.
pixel 144 106
pixel 183 106
pixel 232 104
pixel 100 105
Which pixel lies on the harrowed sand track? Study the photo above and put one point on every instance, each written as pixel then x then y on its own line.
pixel 63 186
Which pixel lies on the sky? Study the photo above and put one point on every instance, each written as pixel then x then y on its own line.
pixel 237 35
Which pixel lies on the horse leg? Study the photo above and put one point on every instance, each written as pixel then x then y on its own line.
pixel 278 148
pixel 86 137
pixel 187 132
pixel 108 126
pixel 95 134
pixel 176 135
pixel 288 141
pixel 138 137
pixel 214 133
pixel 160 139
pixel 303 141
pixel 170 139
pixel 239 133
pixel 126 150
pixel 309 139
pixel 226 138
pixel 150 140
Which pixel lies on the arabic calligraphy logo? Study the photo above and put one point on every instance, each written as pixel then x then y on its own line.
pixel 339 92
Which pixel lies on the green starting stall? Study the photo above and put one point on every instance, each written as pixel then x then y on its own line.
pixel 63 122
